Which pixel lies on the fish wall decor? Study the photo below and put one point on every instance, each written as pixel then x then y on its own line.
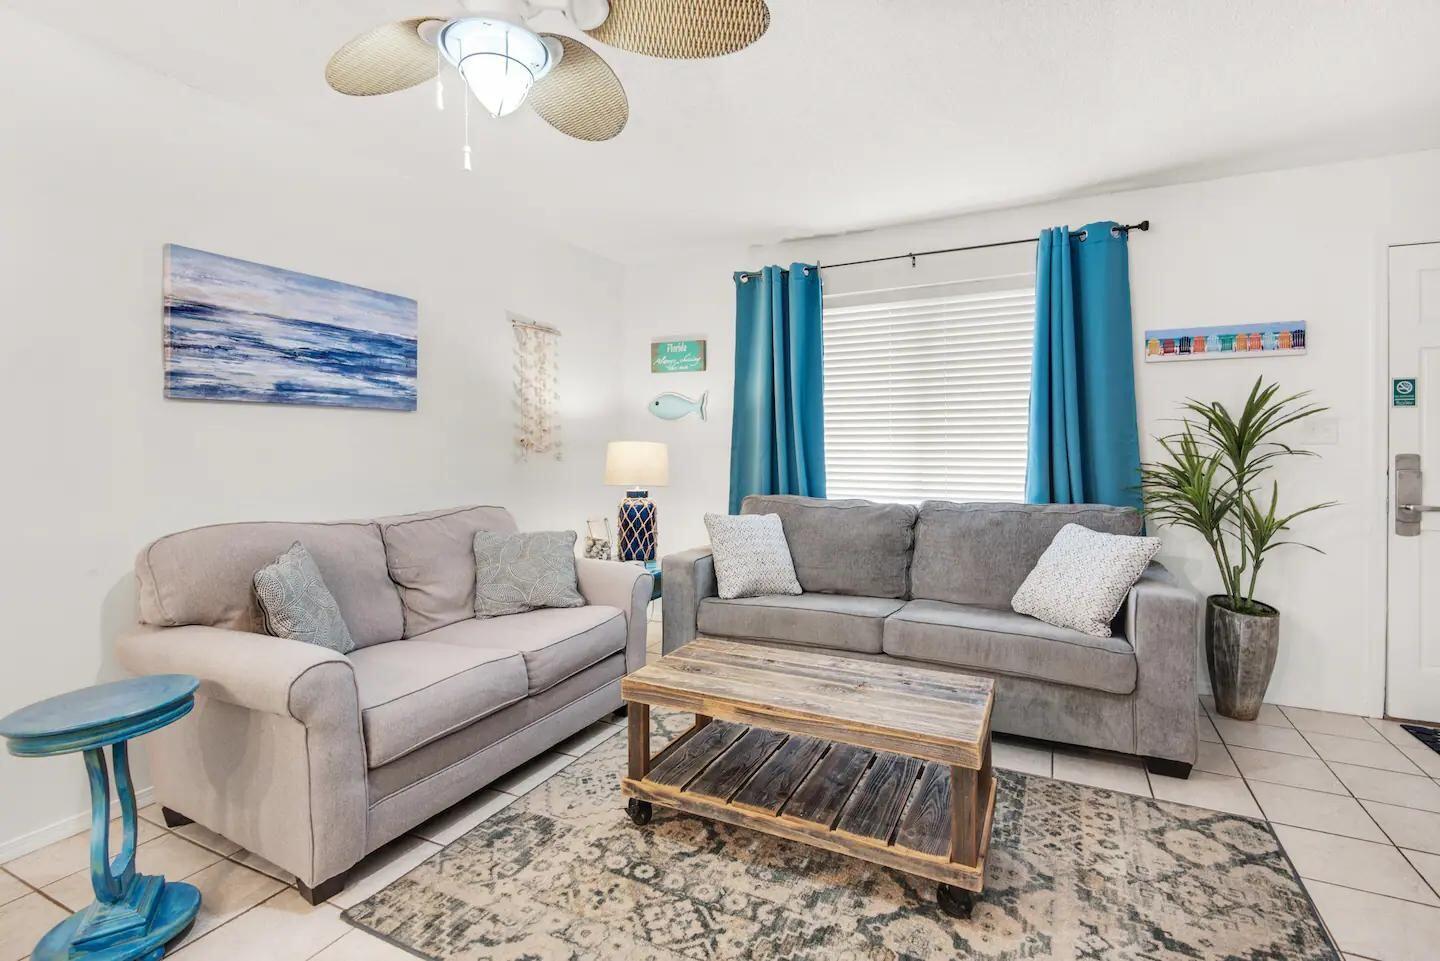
pixel 672 406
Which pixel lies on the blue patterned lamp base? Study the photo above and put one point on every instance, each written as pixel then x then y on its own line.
pixel 638 530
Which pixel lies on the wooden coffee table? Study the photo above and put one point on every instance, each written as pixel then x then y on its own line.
pixel 885 763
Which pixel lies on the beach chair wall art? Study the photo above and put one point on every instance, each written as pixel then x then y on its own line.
pixel 1229 341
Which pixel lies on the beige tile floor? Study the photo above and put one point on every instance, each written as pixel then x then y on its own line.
pixel 1354 801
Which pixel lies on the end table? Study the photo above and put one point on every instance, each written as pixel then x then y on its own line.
pixel 133 915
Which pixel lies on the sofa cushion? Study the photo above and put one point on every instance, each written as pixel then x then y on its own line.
pixel 297 605
pixel 432 561
pixel 1004 642
pixel 555 643
pixel 206 576
pixel 837 621
pixel 415 691
pixel 844 546
pixel 751 556
pixel 520 572
pixel 981 553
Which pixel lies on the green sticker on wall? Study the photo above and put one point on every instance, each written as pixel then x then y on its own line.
pixel 1402 392
pixel 676 356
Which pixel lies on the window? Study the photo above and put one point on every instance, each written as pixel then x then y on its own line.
pixel 927 390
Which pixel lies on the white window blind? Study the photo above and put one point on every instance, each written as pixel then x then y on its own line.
pixel 927 390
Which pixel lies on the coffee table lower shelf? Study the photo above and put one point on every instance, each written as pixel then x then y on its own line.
pixel 885 808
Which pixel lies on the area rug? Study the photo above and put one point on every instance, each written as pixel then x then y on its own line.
pixel 1074 873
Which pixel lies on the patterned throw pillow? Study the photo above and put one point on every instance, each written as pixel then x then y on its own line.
pixel 751 555
pixel 515 573
pixel 297 604
pixel 1082 578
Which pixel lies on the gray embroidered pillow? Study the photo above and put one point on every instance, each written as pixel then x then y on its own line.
pixel 752 557
pixel 1082 578
pixel 297 604
pixel 515 573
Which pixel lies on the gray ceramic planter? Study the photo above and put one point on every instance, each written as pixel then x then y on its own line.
pixel 1240 651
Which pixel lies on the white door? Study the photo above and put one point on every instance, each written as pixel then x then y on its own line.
pixel 1413 658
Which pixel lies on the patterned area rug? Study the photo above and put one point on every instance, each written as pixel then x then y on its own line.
pixel 1074 873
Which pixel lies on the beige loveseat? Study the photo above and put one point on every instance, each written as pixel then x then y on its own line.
pixel 312 759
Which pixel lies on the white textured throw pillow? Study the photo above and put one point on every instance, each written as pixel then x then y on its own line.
pixel 1082 578
pixel 751 554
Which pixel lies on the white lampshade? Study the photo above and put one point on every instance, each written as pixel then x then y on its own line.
pixel 636 463
pixel 498 59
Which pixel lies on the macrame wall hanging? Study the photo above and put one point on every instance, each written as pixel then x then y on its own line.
pixel 537 389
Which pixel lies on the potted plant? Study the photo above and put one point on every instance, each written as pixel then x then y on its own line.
pixel 1210 480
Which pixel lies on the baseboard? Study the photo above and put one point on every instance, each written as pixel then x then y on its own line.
pixel 62 829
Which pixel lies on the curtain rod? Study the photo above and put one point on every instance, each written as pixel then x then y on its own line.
pixel 1123 228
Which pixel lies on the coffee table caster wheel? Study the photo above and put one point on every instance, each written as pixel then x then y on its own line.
pixel 956 902
pixel 639 811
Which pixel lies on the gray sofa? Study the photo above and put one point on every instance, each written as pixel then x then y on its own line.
pixel 932 585
pixel 312 759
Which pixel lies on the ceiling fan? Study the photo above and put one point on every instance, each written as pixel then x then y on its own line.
pixel 505 63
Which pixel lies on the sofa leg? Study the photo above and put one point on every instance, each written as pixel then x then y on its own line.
pixel 174 819
pixel 1167 768
pixel 622 711
pixel 323 891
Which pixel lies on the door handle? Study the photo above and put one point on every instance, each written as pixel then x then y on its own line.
pixel 1409 490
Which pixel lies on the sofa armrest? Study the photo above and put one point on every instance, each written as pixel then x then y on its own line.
pixel 274 675
pixel 626 586
pixel 689 578
pixel 1164 622
pixel 273 756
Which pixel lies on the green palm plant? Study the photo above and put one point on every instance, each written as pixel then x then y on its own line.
pixel 1212 475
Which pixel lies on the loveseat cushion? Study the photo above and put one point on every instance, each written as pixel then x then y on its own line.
pixel 981 553
pixel 1004 642
pixel 844 546
pixel 837 621
pixel 413 692
pixel 206 575
pixel 432 561
pixel 555 643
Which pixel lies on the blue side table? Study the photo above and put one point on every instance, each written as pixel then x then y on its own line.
pixel 654 568
pixel 133 915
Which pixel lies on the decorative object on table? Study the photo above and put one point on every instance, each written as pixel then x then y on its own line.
pixel 1069 856
pixel 637 466
pixel 598 542
pixel 537 389
pixel 1224 342
pixel 673 406
pixel 296 603
pixel 503 62
pixel 241 331
pixel 752 558
pixel 133 915
pixel 777 425
pixel 1083 577
pixel 677 356
pixel 1084 436
pixel 1210 481
pixel 524 571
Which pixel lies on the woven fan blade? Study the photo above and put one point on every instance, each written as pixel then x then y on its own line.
pixel 388 58
pixel 581 97
pixel 683 29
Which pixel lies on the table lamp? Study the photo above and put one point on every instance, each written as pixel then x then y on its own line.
pixel 637 466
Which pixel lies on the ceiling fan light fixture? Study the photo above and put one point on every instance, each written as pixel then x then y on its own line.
pixel 499 60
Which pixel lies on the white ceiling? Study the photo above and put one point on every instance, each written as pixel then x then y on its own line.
pixel 850 113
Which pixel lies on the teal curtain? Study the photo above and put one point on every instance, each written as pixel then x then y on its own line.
pixel 1084 440
pixel 777 438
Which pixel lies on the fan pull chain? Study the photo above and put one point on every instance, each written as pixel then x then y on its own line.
pixel 439 81
pixel 466 98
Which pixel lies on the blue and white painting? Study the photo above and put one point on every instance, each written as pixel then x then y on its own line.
pixel 236 330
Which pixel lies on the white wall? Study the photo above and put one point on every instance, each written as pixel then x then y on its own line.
pixel 103 164
pixel 1297 244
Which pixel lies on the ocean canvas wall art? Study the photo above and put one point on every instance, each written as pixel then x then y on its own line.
pixel 241 331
